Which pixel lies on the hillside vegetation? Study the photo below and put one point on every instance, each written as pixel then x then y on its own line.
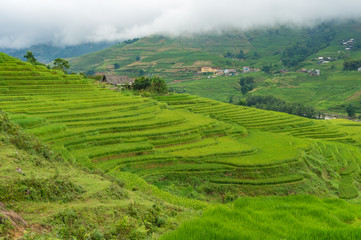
pixel 293 217
pixel 279 52
pixel 44 197
pixel 181 58
pixel 181 150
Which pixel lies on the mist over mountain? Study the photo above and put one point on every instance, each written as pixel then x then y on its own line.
pixel 67 22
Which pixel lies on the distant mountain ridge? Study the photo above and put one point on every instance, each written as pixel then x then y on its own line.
pixel 46 53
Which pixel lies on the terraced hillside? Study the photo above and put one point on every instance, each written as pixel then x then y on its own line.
pixel 253 118
pixel 205 154
pixel 44 197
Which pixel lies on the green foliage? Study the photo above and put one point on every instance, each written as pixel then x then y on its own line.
pixel 29 56
pixel 90 72
pixel 293 217
pixel 241 54
pixel 61 64
pixel 351 110
pixel 151 84
pixel 276 104
pixel 267 69
pixel 357 45
pixel 318 38
pixel 130 41
pixel 5 227
pixel 25 141
pixel 163 151
pixel 351 65
pixel 34 189
pixel 247 84
pixel 133 222
pixel 116 65
pixel 114 191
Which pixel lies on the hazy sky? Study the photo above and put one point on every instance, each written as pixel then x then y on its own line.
pixel 68 22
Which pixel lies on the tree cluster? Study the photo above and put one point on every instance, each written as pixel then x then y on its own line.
pixel 350 65
pixel 356 46
pixel 240 55
pixel 351 110
pixel 59 63
pixel 130 41
pixel 30 58
pixel 247 84
pixel 279 105
pixel 317 39
pixel 116 66
pixel 152 84
pixel 267 68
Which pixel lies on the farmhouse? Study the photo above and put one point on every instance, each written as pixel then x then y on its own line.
pixel 230 71
pixel 117 80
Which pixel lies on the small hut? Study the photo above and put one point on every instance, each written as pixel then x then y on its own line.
pixel 119 81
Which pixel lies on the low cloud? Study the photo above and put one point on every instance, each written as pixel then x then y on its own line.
pixel 68 22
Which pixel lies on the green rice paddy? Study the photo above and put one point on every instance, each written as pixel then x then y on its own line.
pixel 193 151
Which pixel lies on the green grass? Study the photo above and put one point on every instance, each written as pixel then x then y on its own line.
pixel 199 139
pixel 183 151
pixel 293 217
pixel 62 201
pixel 182 57
pixel 97 127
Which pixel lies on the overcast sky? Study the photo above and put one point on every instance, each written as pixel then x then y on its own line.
pixel 67 22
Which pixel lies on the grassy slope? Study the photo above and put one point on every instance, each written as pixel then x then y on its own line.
pixel 294 217
pixel 60 200
pixel 330 92
pixel 181 58
pixel 87 125
pixel 187 146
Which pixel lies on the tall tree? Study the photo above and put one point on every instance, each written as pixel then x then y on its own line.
pixel 351 110
pixel 61 64
pixel 30 57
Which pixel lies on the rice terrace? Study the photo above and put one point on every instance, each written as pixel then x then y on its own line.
pixel 177 125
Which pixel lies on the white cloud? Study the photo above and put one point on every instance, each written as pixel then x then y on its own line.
pixel 67 22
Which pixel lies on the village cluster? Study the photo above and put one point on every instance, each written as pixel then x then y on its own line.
pixel 226 72
pixel 348 44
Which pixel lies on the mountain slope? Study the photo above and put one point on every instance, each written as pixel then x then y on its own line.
pixel 181 58
pixel 182 55
pixel 288 47
pixel 220 143
pixel 44 197
pixel 164 158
